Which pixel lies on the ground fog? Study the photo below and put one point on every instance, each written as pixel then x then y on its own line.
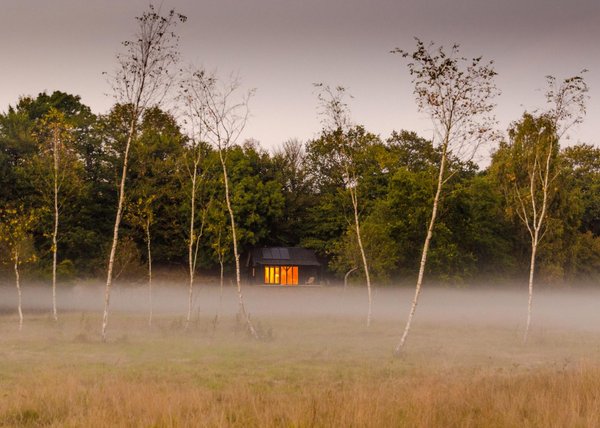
pixel 316 363
pixel 566 308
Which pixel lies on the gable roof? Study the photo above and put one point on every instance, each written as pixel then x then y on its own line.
pixel 282 256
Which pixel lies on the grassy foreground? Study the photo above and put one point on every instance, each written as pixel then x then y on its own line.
pixel 306 372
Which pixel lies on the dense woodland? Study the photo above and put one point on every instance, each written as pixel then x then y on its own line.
pixel 293 196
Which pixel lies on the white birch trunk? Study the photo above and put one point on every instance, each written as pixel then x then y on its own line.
pixel 55 231
pixel 538 223
pixel 346 277
pixel 113 248
pixel 251 328
pixel 191 261
pixel 354 197
pixel 149 249
pixel 534 245
pixel 18 284
pixel 221 278
pixel 142 81
pixel 415 300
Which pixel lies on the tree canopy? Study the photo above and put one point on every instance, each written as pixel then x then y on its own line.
pixel 293 196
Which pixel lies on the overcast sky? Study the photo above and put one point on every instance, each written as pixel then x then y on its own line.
pixel 281 47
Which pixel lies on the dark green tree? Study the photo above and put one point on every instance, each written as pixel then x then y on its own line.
pixel 150 206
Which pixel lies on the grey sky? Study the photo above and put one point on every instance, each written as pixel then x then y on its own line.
pixel 281 47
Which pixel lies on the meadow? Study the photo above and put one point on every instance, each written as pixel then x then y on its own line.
pixel 317 364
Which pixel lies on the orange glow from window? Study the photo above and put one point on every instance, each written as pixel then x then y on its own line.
pixel 281 275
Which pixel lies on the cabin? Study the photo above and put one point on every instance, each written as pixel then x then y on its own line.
pixel 283 266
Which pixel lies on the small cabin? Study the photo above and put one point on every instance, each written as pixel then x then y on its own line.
pixel 284 266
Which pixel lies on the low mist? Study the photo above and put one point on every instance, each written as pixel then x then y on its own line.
pixel 575 308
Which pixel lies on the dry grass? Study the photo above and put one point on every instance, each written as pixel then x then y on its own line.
pixel 307 372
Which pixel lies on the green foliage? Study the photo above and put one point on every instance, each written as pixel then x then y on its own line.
pixel 16 243
pixel 297 196
pixel 336 162
pixel 583 163
pixel 483 231
pixel 570 202
pixel 154 187
pixel 26 165
pixel 293 173
pixel 380 249
pixel 256 195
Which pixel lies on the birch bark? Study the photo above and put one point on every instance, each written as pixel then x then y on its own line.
pixel 143 79
pixel 336 120
pixel 221 120
pixel 535 141
pixel 55 230
pixel 457 94
pixel 149 253
pixel 192 240
pixel 18 285
pixel 354 197
pixel 236 256
pixel 424 253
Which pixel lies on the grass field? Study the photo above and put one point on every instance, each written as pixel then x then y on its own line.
pixel 318 370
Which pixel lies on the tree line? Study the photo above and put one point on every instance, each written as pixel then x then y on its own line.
pixel 294 196
pixel 351 195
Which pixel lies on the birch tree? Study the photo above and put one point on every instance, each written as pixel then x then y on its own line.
pixel 141 215
pixel 336 120
pixel 16 225
pixel 142 80
pixel 457 94
pixel 197 151
pixel 193 238
pixel 532 167
pixel 222 113
pixel 220 232
pixel 55 137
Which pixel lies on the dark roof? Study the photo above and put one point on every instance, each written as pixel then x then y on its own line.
pixel 282 256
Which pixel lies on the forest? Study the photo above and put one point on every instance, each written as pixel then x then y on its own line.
pixel 295 195
pixel 167 170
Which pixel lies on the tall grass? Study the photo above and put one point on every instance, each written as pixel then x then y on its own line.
pixel 309 372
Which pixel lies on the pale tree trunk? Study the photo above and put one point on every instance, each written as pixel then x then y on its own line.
pixel 221 257
pixel 346 277
pixel 18 284
pixel 55 231
pixel 538 222
pixel 192 234
pixel 415 300
pixel 221 280
pixel 354 196
pixel 251 328
pixel 149 249
pixel 194 242
pixel 457 94
pixel 142 80
pixel 113 248
pixel 534 245
pixel 221 276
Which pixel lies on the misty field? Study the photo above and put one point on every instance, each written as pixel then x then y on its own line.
pixel 316 365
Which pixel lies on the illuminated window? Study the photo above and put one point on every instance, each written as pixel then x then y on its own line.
pixel 281 275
